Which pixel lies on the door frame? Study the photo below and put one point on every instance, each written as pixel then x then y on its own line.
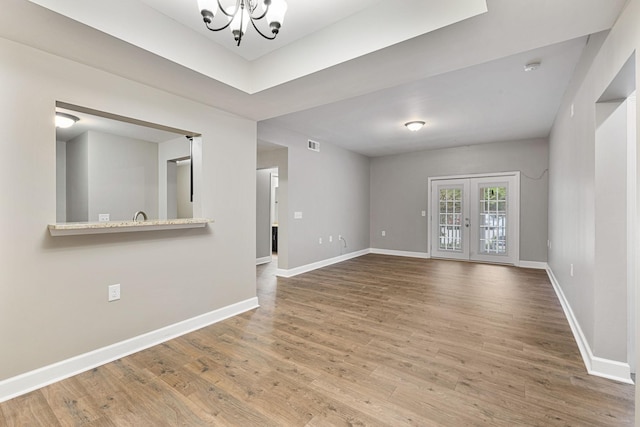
pixel 514 192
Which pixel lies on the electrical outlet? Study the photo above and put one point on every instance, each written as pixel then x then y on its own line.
pixel 297 215
pixel 103 217
pixel 330 239
pixel 114 292
pixel 424 213
pixel 384 233
pixel 320 240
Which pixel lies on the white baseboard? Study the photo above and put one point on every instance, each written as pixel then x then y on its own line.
pixel 533 264
pixel 33 380
pixel 606 368
pixel 324 263
pixel 263 260
pixel 423 255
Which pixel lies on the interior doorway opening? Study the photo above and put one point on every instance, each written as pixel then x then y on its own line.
pixel 267 215
pixel 617 231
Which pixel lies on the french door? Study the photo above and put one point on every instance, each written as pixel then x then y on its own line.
pixel 476 218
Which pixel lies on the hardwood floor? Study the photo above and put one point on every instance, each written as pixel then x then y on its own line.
pixel 376 340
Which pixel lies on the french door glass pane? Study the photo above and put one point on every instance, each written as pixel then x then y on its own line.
pixel 450 219
pixel 493 220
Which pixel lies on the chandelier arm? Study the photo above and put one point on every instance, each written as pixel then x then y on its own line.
pixel 261 33
pixel 252 6
pixel 218 29
pixel 231 15
pixel 266 9
pixel 241 22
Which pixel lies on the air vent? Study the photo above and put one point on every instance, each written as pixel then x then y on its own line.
pixel 314 145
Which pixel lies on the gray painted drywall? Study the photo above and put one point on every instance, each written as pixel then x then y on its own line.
pixel 279 158
pixel 77 180
pixel 54 289
pixel 123 176
pixel 61 181
pixel 183 193
pixel 263 213
pixel 169 150
pixel 573 197
pixel 171 198
pixel 331 189
pixel 399 191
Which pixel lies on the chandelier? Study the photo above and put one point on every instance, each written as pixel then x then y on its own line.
pixel 237 18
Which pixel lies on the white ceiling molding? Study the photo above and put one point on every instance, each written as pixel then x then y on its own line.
pixel 140 25
pixel 373 29
pixel 367 31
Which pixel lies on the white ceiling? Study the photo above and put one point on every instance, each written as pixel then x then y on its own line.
pixel 303 18
pixel 135 22
pixel 495 101
pixel 353 82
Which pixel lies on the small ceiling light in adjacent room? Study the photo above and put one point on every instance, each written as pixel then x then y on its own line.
pixel 532 66
pixel 65 120
pixel 415 125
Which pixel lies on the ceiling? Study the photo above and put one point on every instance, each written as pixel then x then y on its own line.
pixel 91 122
pixel 350 78
pixel 494 101
pixel 302 19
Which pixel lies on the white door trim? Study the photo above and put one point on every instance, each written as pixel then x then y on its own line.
pixel 515 204
pixel 465 236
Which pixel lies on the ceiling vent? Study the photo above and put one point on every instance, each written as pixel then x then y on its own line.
pixel 314 145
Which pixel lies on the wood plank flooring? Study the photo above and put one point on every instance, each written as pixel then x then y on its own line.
pixel 376 340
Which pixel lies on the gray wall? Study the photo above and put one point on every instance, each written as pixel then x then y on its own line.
pixel 167 197
pixel 123 176
pixel 170 211
pixel 263 213
pixel 61 181
pixel 183 193
pixel 77 179
pixel 573 200
pixel 54 289
pixel 399 191
pixel 331 189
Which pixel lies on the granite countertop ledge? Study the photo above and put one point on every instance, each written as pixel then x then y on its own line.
pixel 76 228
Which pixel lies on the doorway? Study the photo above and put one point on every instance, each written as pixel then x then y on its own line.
pixel 476 218
pixel 267 216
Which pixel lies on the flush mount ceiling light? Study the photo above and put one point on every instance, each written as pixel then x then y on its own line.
pixel 238 17
pixel 415 125
pixel 65 120
pixel 532 66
